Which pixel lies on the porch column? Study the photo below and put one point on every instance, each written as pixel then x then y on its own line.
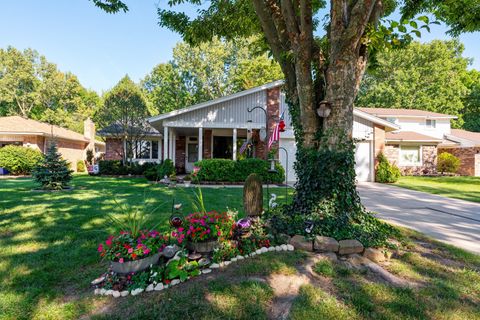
pixel 200 144
pixel 174 146
pixel 170 144
pixel 165 143
pixel 234 151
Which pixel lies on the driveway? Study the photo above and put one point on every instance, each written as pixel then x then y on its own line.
pixel 453 221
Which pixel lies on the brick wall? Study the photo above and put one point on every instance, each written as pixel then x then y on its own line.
pixel 469 159
pixel 207 143
pixel 392 152
pixel 34 142
pixel 273 112
pixel 180 154
pixel 429 160
pixel 72 151
pixel 113 149
pixel 378 141
pixel 260 147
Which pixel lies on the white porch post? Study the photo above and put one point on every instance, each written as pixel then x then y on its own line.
pixel 174 147
pixel 234 155
pixel 165 143
pixel 200 144
pixel 170 143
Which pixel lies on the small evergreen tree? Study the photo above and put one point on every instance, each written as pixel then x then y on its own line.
pixel 386 172
pixel 53 172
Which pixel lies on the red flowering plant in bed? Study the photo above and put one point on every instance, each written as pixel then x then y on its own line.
pixel 208 226
pixel 125 247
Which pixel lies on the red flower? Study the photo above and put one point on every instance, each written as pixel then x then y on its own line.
pixel 100 248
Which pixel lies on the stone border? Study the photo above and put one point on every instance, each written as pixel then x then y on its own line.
pixel 161 286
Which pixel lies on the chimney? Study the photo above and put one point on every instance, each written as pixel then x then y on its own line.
pixel 89 133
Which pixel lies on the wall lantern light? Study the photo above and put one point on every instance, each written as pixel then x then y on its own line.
pixel 324 109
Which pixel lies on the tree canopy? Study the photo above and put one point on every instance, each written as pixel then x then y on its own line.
pixel 31 86
pixel 207 71
pixel 432 76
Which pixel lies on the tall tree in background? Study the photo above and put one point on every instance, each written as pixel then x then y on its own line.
pixel 431 76
pixel 321 75
pixel 207 71
pixel 123 116
pixel 32 87
pixel 471 111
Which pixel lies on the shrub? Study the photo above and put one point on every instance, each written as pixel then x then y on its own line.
pixel 159 171
pixel 53 172
pixel 386 172
pixel 90 156
pixel 226 170
pixel 80 166
pixel 447 162
pixel 18 159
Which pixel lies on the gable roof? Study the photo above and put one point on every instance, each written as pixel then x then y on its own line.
pixel 16 125
pixel 409 136
pixel 148 130
pixel 270 85
pixel 382 112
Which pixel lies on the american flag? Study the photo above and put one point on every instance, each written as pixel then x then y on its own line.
pixel 275 136
pixel 243 147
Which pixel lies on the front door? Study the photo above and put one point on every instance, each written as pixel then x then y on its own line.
pixel 191 153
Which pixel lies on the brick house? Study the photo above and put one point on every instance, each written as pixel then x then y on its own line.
pixel 72 145
pixel 466 146
pixel 218 129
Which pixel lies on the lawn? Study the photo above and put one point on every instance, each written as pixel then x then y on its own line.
pixel 465 188
pixel 49 257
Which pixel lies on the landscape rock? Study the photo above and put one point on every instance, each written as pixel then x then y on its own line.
pixel 170 251
pixel 278 248
pixel 226 263
pixel 350 246
pixel 102 291
pixel 214 266
pixel 233 259
pixel 253 254
pixel 124 293
pixel 108 292
pixel 174 282
pixel 290 247
pixel 326 244
pixel 300 243
pixel 159 287
pixel 203 262
pixel 98 281
pixel 149 287
pixel 240 258
pixel 205 271
pixel 271 248
pixel 357 261
pixel 116 294
pixel 264 249
pixel 284 247
pixel 97 291
pixel 259 251
pixel 329 255
pixel 374 254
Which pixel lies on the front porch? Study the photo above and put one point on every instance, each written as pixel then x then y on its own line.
pixel 185 146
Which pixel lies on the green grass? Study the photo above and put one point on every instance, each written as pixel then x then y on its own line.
pixel 465 188
pixel 48 240
pixel 48 258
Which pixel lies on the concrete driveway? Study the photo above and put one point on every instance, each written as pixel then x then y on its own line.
pixel 453 221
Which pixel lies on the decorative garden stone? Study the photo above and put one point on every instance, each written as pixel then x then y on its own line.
pixel 96 291
pixel 374 254
pixel 108 292
pixel 253 195
pixel 194 256
pixel 271 249
pixel 134 266
pixel 159 287
pixel 264 249
pixel 174 282
pixel 284 247
pixel 214 266
pixel 116 294
pixel 124 293
pixel 149 288
pixel 299 242
pixel 290 247
pixel 325 244
pixel 226 263
pixel 205 271
pixel 98 281
pixel 102 291
pixel 233 259
pixel 278 248
pixel 350 246
pixel 170 251
pixel 203 262
pixel 240 258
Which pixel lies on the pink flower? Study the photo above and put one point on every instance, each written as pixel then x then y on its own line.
pixel 219 233
pixel 146 251
pixel 180 229
pixel 100 248
pixel 120 260
pixel 130 250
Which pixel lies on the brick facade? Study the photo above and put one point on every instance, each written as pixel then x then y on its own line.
pixel 429 160
pixel 469 159
pixel 207 143
pixel 114 149
pixel 378 141
pixel 180 145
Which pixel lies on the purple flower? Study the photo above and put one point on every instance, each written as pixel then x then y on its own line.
pixel 244 223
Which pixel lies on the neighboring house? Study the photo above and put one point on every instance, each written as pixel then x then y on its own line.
pixel 423 135
pixel 466 146
pixel 218 128
pixel 146 149
pixel 37 135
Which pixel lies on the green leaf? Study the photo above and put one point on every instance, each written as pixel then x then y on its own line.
pixel 424 19
pixel 402 28
pixel 413 24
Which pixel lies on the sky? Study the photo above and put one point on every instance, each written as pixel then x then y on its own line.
pixel 101 48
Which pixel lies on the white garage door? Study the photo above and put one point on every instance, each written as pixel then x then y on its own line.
pixel 363 161
pixel 289 145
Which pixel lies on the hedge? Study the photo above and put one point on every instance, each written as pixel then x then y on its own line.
pixel 226 170
pixel 116 168
pixel 166 168
pixel 18 159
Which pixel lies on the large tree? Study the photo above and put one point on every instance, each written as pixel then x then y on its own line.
pixel 207 71
pixel 123 117
pixel 432 76
pixel 321 74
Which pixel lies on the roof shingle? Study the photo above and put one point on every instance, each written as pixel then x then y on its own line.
pixel 379 112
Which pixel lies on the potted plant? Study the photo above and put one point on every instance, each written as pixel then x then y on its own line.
pixel 129 253
pixel 187 181
pixel 206 230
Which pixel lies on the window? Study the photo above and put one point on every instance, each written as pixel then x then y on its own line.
pixel 431 123
pixel 410 156
pixel 154 149
pixel 192 150
pixel 146 149
pixel 222 147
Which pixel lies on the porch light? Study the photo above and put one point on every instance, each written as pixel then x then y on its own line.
pixel 324 109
